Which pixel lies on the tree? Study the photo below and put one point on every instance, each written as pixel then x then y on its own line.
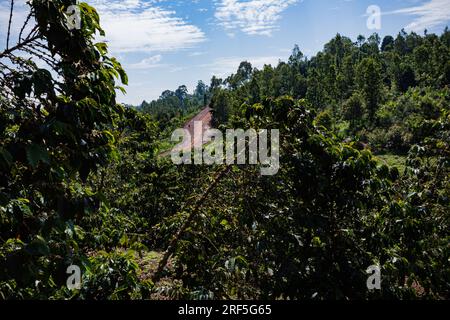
pixel 296 57
pixel 63 117
pixel 405 77
pixel 360 40
pixel 400 43
pixel 181 93
pixel 336 48
pixel 353 110
pixel 445 37
pixel 244 71
pixel 316 92
pixel 369 82
pixel 215 83
pixel 373 43
pixel 243 75
pixel 167 94
pixel 220 106
pixel 388 43
pixel 200 89
pixel 324 119
pixel 446 75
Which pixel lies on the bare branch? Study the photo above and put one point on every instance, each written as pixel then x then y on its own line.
pixel 19 46
pixel 173 243
pixel 41 55
pixel 24 25
pixel 9 24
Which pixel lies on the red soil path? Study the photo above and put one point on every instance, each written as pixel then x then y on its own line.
pixel 204 116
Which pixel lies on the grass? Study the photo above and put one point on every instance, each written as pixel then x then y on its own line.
pixel 393 160
pixel 165 144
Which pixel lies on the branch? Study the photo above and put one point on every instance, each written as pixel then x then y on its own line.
pixel 173 243
pixel 9 24
pixel 18 46
pixel 41 55
pixel 24 25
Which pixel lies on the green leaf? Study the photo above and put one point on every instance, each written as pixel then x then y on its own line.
pixel 38 247
pixel 102 48
pixel 36 154
pixel 6 159
pixel 121 89
pixel 224 223
pixel 24 208
pixel 42 82
pixel 109 136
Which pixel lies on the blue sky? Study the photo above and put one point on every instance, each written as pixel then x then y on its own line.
pixel 163 44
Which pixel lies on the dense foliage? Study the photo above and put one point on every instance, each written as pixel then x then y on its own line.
pixel 380 95
pixel 175 104
pixel 57 125
pixel 83 180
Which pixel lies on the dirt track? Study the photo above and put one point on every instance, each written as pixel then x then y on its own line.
pixel 205 116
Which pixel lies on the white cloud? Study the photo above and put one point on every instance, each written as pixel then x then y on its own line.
pixel 148 63
pixel 226 65
pixel 430 14
pixel 254 17
pixel 139 26
pixel 197 53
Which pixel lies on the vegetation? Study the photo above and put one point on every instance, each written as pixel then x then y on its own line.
pixel 172 105
pixel 364 177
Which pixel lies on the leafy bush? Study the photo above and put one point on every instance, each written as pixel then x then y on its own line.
pixel 112 276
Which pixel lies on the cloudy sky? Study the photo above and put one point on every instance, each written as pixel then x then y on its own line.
pixel 164 44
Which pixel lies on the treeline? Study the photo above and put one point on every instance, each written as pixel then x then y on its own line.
pixel 172 104
pixel 378 91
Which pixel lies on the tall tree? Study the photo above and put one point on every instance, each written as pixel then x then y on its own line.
pixel 215 83
pixel 57 126
pixel 369 81
pixel 387 44
pixel 296 57
pixel 181 93
pixel 167 94
pixel 200 89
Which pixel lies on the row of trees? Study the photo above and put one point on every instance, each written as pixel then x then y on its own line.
pixel 354 83
pixel 177 103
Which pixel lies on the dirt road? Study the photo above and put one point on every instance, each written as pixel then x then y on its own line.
pixel 205 117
